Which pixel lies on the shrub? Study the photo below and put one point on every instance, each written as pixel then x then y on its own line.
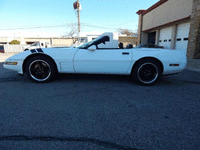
pixel 14 42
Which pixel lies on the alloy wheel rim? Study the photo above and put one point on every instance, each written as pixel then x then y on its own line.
pixel 39 70
pixel 147 73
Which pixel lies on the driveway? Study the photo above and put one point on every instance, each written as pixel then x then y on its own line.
pixel 99 112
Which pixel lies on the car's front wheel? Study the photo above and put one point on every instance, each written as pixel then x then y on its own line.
pixel 146 72
pixel 40 69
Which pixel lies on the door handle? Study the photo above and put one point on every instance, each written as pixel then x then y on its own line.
pixel 125 53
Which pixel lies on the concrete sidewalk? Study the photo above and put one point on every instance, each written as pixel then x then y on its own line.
pixel 192 64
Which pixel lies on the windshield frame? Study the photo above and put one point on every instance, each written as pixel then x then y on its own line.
pixel 97 41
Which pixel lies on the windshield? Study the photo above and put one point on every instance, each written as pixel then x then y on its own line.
pixel 141 45
pixel 97 41
pixel 86 45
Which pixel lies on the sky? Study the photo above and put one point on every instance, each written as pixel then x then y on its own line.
pixel 56 18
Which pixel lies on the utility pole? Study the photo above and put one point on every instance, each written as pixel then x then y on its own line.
pixel 77 8
pixel 79 25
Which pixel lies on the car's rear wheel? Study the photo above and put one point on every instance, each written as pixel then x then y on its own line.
pixel 146 72
pixel 40 69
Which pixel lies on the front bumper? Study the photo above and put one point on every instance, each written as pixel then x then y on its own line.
pixel 11 65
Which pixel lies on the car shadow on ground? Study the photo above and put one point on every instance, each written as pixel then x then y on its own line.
pixel 93 77
pixel 185 77
pixel 117 79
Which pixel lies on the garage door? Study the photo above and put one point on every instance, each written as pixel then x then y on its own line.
pixel 165 37
pixel 182 36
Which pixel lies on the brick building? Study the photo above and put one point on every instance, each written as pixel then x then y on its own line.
pixel 174 24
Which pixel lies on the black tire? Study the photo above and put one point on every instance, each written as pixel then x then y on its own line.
pixel 146 72
pixel 41 69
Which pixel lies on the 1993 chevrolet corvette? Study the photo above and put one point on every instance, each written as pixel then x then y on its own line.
pixel 144 65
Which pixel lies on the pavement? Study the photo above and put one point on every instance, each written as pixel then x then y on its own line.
pixel 192 64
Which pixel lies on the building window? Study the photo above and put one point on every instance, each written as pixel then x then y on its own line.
pixel 165 40
pixel 3 42
pixel 185 39
pixel 30 42
pixel 83 39
pixel 1 49
pixel 170 40
pixel 179 39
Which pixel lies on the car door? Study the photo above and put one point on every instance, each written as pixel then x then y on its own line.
pixel 102 61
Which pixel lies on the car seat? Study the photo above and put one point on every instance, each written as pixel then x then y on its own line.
pixel 129 46
pixel 121 45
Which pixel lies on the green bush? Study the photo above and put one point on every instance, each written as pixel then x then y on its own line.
pixel 14 42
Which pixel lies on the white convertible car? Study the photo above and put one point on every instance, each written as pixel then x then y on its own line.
pixel 144 65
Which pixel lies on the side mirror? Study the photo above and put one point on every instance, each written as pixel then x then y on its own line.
pixel 92 48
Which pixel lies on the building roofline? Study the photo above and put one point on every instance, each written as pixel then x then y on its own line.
pixel 141 11
pixel 168 24
pixel 144 12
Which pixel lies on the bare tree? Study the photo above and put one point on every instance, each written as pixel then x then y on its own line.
pixel 125 31
pixel 73 32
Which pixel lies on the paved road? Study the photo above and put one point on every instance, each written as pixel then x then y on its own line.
pixel 99 112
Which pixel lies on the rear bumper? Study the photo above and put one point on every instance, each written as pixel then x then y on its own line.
pixel 168 70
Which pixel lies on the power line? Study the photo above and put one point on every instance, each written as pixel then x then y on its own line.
pixel 94 26
pixel 57 26
pixel 37 27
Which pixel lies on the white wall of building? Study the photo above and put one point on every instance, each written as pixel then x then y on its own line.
pixel 165 37
pixel 182 36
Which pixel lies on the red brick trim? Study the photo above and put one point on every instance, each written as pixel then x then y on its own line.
pixel 155 6
pixel 141 11
pixel 168 24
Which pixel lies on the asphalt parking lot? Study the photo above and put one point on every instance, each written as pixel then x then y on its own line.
pixel 99 112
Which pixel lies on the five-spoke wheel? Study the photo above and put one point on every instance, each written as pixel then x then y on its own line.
pixel 40 69
pixel 146 71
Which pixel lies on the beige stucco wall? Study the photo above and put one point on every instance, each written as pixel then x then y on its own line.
pixel 4 39
pixel 9 39
pixel 36 39
pixel 170 11
pixel 52 41
pixel 62 41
